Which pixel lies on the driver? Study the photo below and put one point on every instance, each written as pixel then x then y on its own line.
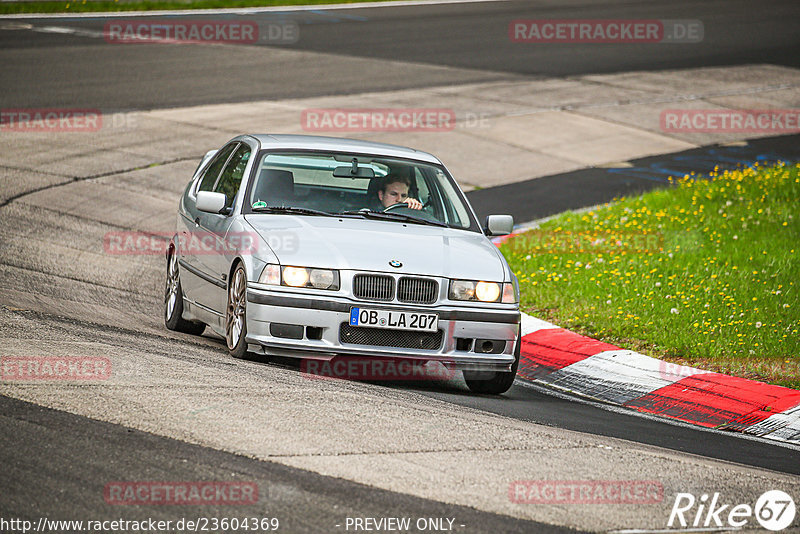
pixel 395 190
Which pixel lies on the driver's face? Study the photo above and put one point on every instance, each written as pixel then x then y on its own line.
pixel 395 192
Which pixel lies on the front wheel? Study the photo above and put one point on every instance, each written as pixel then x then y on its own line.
pixel 236 314
pixel 173 302
pixel 493 382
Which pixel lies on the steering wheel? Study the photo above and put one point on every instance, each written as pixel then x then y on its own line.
pixel 419 214
pixel 398 205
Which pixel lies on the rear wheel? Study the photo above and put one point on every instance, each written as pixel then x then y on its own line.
pixel 236 314
pixel 493 382
pixel 173 302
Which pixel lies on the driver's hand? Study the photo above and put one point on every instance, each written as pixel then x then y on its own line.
pixel 413 203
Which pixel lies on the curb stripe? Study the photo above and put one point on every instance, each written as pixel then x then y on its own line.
pixel 616 376
pixel 550 349
pixel 716 400
pixel 591 368
pixel 781 426
pixel 529 324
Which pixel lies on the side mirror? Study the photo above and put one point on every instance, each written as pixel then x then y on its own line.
pixel 497 225
pixel 210 202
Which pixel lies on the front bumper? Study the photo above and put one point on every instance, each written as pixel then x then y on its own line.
pixel 318 319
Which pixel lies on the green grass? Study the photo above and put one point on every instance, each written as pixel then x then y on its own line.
pixel 704 273
pixel 83 6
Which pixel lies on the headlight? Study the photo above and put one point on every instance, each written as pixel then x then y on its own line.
pixel 487 291
pixel 482 291
pixel 462 290
pixel 321 278
pixel 299 277
pixel 295 276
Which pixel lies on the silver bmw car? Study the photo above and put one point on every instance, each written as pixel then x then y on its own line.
pixel 319 247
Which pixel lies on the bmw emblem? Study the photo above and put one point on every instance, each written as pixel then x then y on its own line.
pixel 396 264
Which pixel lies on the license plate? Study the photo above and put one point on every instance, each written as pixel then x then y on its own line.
pixel 394 320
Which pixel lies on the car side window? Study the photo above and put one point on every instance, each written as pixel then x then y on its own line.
pixel 212 171
pixel 231 176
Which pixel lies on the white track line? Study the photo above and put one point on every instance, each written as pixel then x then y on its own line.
pixel 243 10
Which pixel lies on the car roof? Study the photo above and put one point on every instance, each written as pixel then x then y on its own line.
pixel 340 144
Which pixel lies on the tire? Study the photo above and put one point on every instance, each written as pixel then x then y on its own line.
pixel 173 302
pixel 236 314
pixel 493 382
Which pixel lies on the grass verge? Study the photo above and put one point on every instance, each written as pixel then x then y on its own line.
pixel 704 273
pixel 82 6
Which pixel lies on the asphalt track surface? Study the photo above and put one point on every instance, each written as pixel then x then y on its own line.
pixel 465 43
pixel 455 43
pixel 68 455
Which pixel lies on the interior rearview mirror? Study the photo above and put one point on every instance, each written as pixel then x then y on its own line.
pixel 354 172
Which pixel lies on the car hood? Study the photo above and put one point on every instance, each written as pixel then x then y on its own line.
pixel 369 245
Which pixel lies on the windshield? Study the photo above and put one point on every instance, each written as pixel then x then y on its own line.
pixel 333 183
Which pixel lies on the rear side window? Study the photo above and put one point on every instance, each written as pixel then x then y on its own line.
pixel 212 172
pixel 231 176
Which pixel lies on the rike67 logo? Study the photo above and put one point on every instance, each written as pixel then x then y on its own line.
pixel 774 510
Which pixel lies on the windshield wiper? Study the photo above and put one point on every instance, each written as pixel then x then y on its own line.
pixel 387 216
pixel 293 209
